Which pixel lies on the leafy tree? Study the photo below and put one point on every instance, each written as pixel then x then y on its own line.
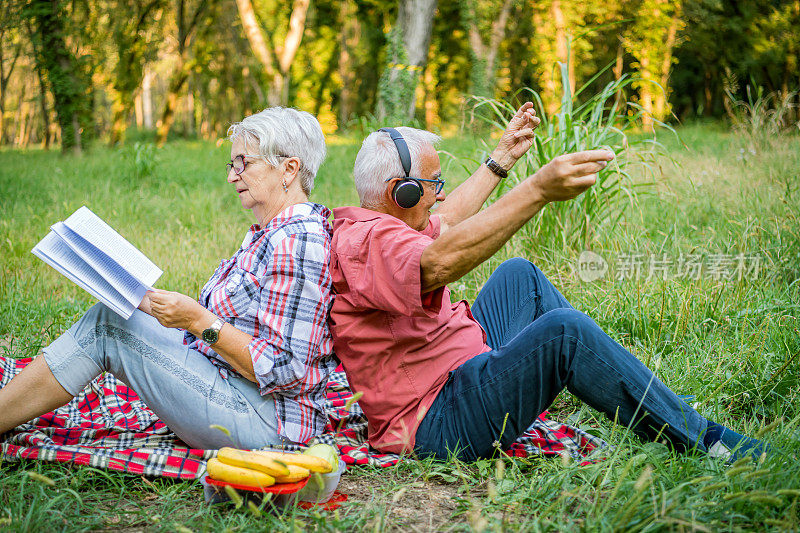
pixel 275 59
pixel 11 44
pixel 485 18
pixel 189 17
pixel 650 39
pixel 133 22
pixel 68 82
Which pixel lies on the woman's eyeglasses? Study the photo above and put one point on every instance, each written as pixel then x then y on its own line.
pixel 238 163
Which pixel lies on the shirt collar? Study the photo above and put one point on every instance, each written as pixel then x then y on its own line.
pixel 304 209
pixel 296 210
pixel 360 214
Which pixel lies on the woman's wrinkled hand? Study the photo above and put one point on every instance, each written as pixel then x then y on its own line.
pixel 568 175
pixel 517 139
pixel 172 309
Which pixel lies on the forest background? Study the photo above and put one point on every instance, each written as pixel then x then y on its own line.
pixel 74 71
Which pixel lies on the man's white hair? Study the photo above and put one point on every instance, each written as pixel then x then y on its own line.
pixel 284 131
pixel 378 160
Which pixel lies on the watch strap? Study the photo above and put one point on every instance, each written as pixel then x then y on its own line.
pixel 495 167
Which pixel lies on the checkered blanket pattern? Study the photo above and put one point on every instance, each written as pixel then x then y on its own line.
pixel 108 426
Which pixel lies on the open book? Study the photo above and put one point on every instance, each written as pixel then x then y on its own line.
pixel 99 260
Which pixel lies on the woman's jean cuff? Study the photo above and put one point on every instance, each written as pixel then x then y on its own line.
pixel 70 365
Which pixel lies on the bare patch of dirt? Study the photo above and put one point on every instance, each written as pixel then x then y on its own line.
pixel 412 506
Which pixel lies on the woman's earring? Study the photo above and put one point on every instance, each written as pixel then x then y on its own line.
pixel 285 187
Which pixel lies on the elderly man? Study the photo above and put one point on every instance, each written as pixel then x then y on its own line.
pixel 439 378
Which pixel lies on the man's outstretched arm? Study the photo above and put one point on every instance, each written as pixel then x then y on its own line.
pixel 468 244
pixel 468 198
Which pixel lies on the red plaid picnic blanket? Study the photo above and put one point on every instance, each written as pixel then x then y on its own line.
pixel 108 426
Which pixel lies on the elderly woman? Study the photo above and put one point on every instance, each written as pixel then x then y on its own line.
pixel 254 353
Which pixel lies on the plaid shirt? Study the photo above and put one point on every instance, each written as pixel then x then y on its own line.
pixel 277 288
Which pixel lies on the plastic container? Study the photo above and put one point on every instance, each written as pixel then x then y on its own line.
pixel 280 495
pixel 315 493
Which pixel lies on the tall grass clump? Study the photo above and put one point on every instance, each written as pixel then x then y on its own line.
pixel 583 122
pixel 763 116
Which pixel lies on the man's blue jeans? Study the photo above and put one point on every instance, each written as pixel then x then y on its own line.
pixel 541 345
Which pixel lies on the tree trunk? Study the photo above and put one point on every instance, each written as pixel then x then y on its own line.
pixel 43 107
pixel 147 99
pixel 137 110
pixel 660 103
pixel 5 74
pixel 619 65
pixel 176 83
pixel 276 68
pixel 297 24
pixel 69 87
pixel 319 96
pixel 498 34
pixel 258 44
pixel 398 94
pixel 26 132
pixel 563 51
pixel 484 56
pixel 188 124
pixel 646 96
pixel 348 42
pixel 186 28
pixel 416 23
pixel 130 34
pixel 120 120
pixel 431 104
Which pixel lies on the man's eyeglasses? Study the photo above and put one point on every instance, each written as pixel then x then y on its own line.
pixel 439 183
pixel 238 163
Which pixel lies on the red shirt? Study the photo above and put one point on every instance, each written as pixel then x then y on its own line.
pixel 397 344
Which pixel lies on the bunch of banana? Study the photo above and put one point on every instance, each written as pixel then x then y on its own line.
pixel 262 468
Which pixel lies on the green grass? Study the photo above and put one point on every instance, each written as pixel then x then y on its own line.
pixel 735 344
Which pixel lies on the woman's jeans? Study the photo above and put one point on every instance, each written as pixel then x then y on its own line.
pixel 182 387
pixel 541 345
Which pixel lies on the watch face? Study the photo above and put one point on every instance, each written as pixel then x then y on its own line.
pixel 210 336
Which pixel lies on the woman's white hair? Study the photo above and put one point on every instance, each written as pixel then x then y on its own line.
pixel 378 160
pixel 284 131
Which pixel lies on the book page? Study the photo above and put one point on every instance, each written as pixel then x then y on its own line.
pixel 101 235
pixel 55 252
pixel 129 287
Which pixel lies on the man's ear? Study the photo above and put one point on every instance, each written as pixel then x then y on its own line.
pixel 387 193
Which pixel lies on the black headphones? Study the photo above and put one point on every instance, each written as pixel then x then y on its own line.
pixel 408 191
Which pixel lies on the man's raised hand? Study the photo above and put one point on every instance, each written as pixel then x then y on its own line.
pixel 568 175
pixel 518 136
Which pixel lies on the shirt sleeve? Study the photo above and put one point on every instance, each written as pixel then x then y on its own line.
pixel 386 272
pixel 291 332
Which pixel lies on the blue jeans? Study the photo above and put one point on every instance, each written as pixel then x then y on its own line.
pixel 181 386
pixel 541 345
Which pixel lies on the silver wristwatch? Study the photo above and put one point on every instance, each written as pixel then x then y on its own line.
pixel 211 334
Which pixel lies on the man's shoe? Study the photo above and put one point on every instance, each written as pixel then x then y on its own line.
pixel 725 443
